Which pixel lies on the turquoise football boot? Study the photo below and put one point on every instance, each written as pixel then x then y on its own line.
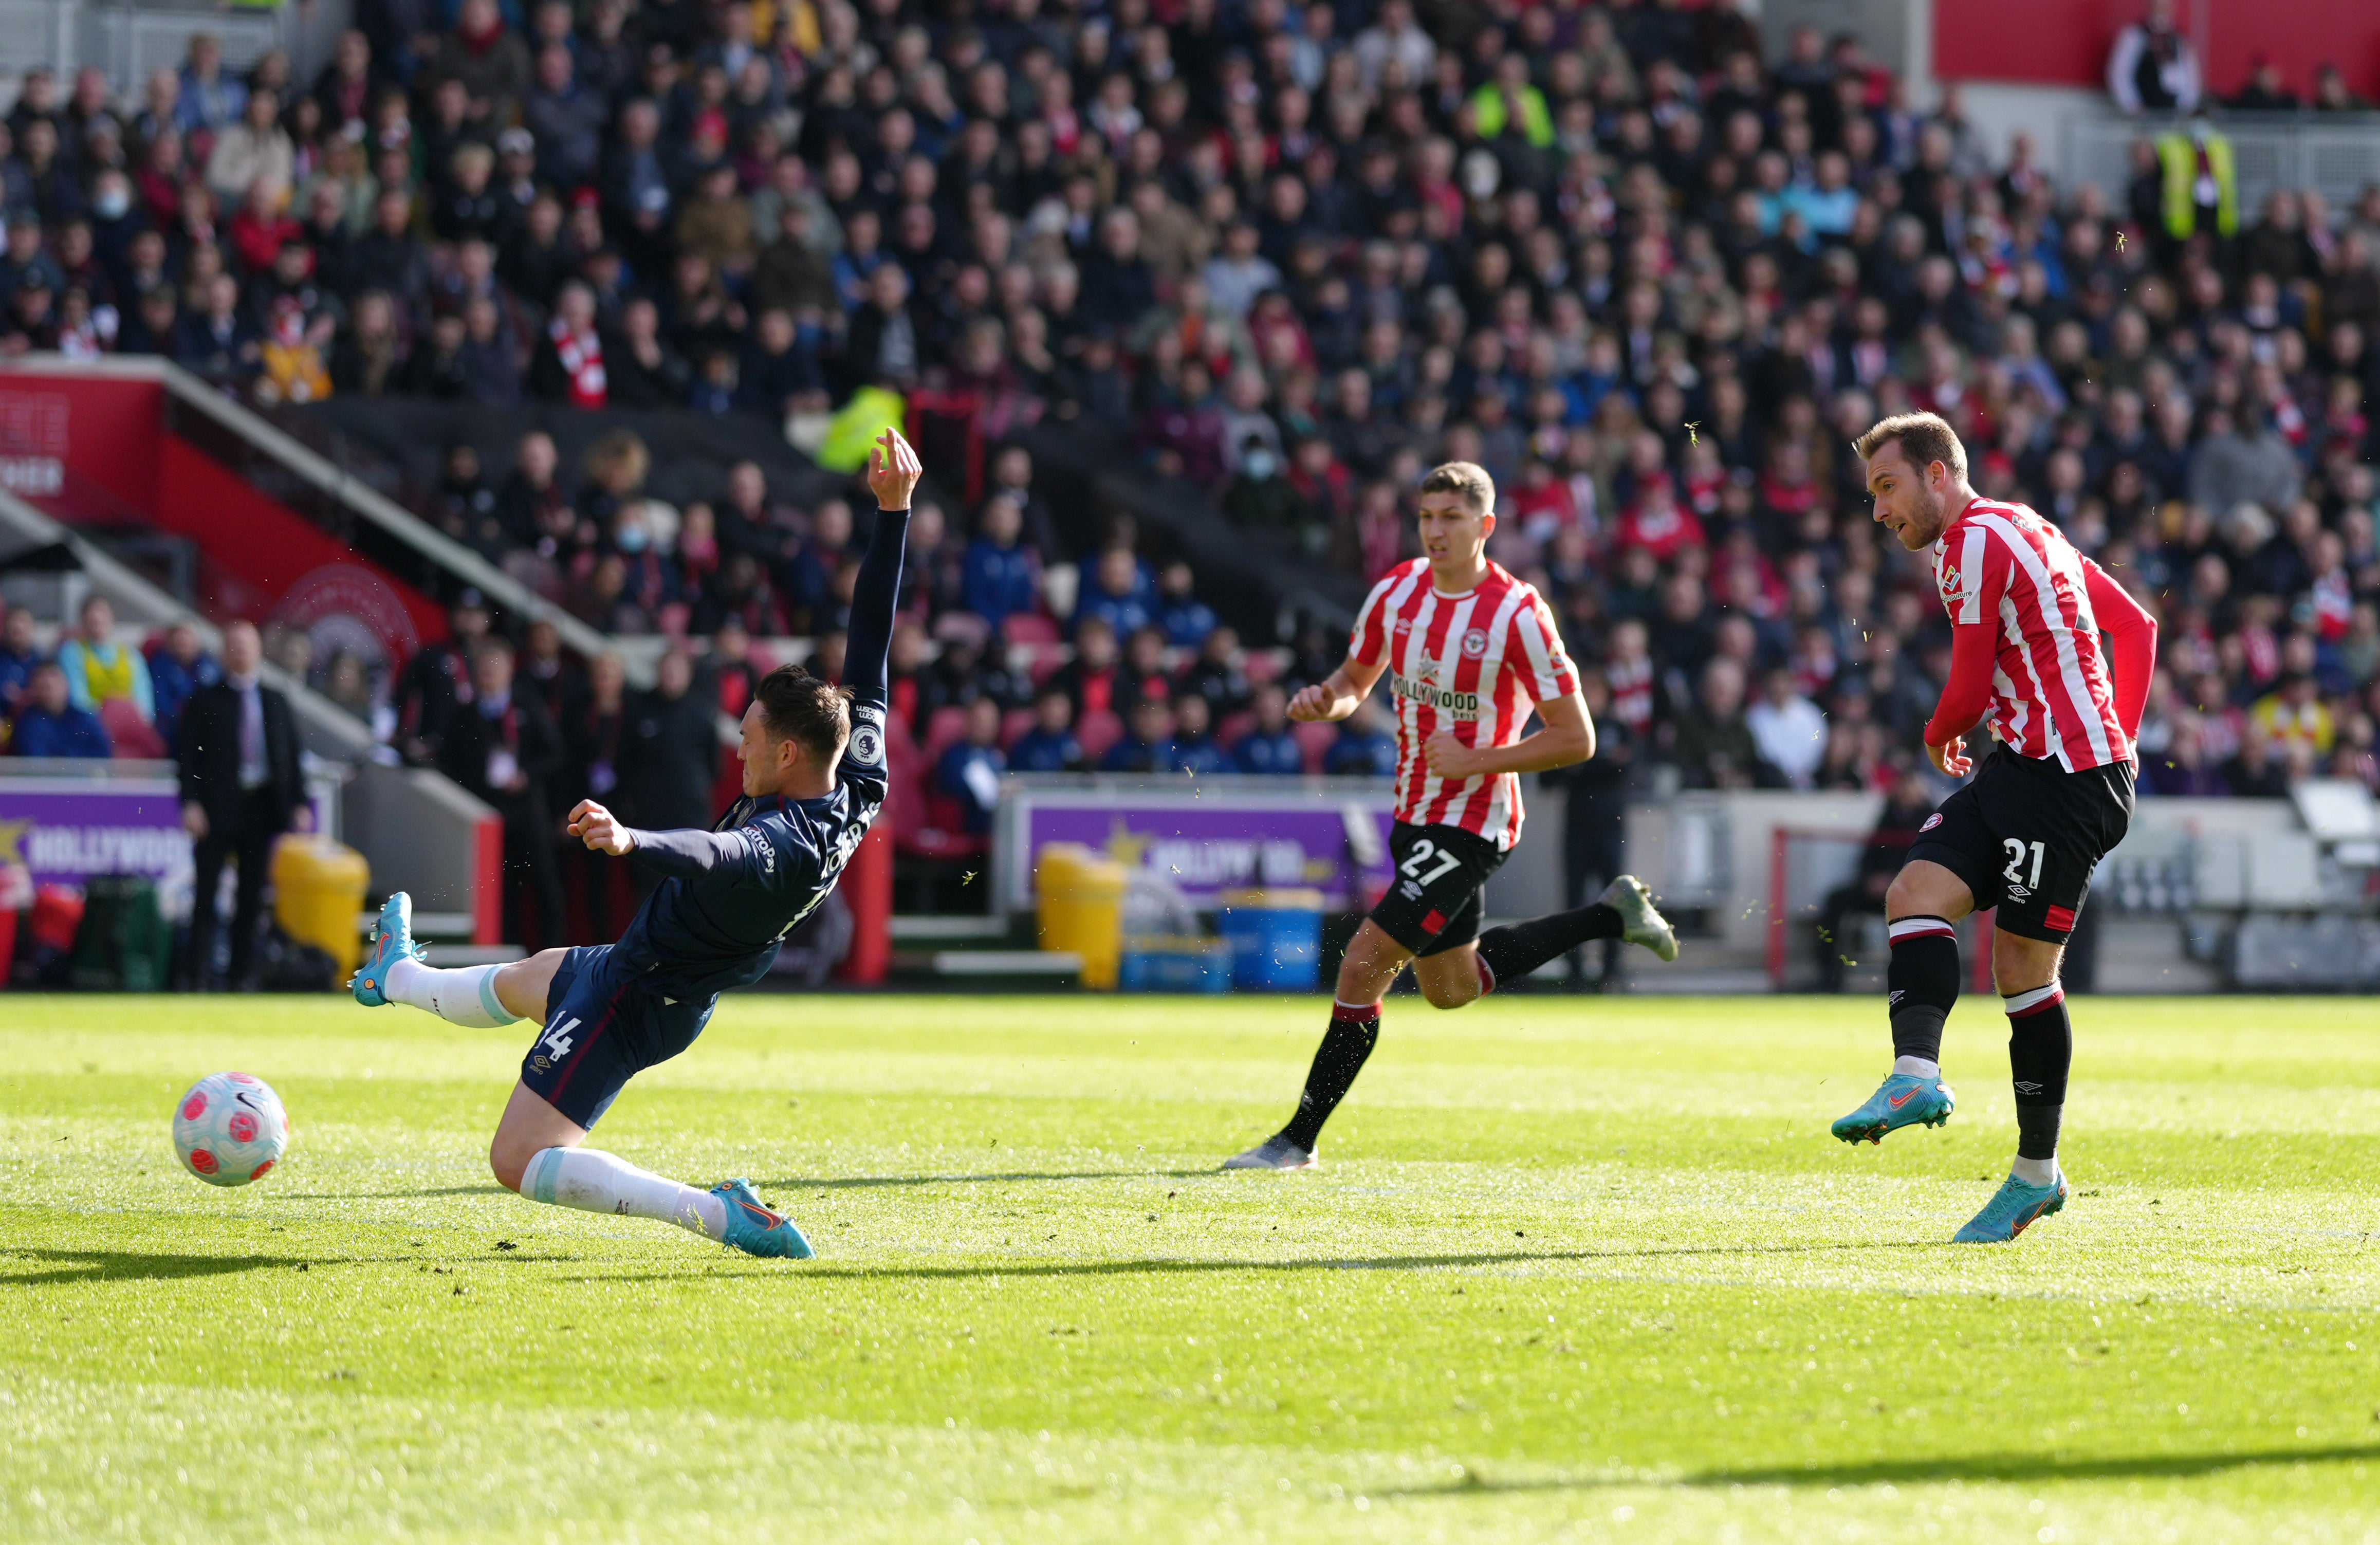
pixel 391 941
pixel 1904 1100
pixel 2013 1207
pixel 755 1230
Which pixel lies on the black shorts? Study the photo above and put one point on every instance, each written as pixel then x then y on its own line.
pixel 1432 903
pixel 2026 833
pixel 604 1024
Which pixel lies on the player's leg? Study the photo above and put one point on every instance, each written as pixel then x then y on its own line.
pixel 1365 973
pixel 569 1078
pixel 1928 897
pixel 1624 910
pixel 481 997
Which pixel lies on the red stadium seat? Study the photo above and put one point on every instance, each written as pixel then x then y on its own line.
pixel 1263 665
pixel 1013 727
pixel 1029 628
pixel 944 730
pixel 1234 727
pixel 1098 732
pixel 1315 741
pixel 132 735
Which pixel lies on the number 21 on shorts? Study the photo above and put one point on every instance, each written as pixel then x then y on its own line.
pixel 2016 862
pixel 1423 851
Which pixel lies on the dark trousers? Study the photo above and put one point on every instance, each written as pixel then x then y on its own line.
pixel 1595 829
pixel 534 916
pixel 247 843
pixel 1842 904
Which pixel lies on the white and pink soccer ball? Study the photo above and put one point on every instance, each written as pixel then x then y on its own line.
pixel 230 1130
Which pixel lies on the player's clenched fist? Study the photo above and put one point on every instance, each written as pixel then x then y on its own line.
pixel 1448 756
pixel 1312 704
pixel 600 829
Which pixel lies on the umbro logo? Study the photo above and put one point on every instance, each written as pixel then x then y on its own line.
pixel 2024 1087
pixel 1894 1001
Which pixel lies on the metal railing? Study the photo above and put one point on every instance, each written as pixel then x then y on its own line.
pixel 2335 154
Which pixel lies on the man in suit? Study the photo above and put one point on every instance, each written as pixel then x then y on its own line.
pixel 502 748
pixel 241 789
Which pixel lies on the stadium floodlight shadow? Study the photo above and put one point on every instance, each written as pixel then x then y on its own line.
pixel 861 1182
pixel 1977 1468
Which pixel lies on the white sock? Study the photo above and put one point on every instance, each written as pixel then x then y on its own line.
pixel 594 1181
pixel 2034 1172
pixel 466 995
pixel 1916 1067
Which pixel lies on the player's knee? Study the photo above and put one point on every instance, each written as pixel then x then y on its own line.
pixel 1903 898
pixel 506 1161
pixel 1449 994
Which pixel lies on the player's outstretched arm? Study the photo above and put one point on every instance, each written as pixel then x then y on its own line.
pixel 1335 696
pixel 687 852
pixel 2131 637
pixel 892 473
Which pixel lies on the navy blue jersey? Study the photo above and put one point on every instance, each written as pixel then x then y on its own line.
pixel 735 892
pixel 773 860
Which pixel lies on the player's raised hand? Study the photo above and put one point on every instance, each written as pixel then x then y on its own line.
pixel 600 829
pixel 894 470
pixel 1951 757
pixel 1448 756
pixel 1313 703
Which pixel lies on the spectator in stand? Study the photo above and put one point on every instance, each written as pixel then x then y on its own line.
pixel 241 788
pixel 178 666
pixel 1188 621
pixel 100 671
pixel 1094 680
pixel 505 750
pixel 1715 747
pixel 19 652
pixel 1193 748
pixel 2154 67
pixel 669 756
pixel 970 767
pixel 1218 674
pixel 1147 743
pixel 437 681
pixel 1003 576
pixel 49 724
pixel 1788 730
pixel 1116 594
pixel 1050 746
pixel 1269 747
pixel 1363 748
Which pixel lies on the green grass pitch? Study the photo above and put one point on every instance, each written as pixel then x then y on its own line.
pixel 1574 1269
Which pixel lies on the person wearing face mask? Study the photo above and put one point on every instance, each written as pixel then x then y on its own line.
pixel 652 581
pixel 1259 498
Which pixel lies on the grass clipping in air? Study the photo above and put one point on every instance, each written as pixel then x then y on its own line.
pixel 1573 1269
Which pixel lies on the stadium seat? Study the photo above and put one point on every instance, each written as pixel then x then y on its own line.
pixel 1013 727
pixel 962 628
pixel 130 734
pixel 945 729
pixel 1262 665
pixel 1234 725
pixel 1315 741
pixel 1098 732
pixel 1030 627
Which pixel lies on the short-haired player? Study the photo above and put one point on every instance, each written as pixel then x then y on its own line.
pixel 1470 653
pixel 2054 794
pixel 813 757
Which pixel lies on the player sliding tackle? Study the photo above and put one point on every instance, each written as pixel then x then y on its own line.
pixel 813 759
pixel 2026 611
pixel 1472 650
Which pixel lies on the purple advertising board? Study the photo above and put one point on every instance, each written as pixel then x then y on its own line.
pixel 67 830
pixel 1329 836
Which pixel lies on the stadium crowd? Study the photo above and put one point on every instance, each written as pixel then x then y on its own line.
pixel 1652 278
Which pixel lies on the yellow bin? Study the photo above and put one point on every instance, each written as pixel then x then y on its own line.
pixel 318 890
pixel 1082 908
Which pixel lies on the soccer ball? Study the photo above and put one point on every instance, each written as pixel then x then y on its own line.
pixel 230 1130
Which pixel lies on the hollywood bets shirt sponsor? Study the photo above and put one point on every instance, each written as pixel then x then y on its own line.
pixel 1474 664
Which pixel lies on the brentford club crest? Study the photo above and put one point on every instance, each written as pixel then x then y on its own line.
pixel 1932 822
pixel 1475 643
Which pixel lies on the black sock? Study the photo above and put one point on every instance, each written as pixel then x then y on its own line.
pixel 1353 1032
pixel 1923 982
pixel 1514 950
pixel 2041 1048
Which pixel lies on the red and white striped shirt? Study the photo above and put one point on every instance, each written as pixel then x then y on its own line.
pixel 1473 662
pixel 2013 577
